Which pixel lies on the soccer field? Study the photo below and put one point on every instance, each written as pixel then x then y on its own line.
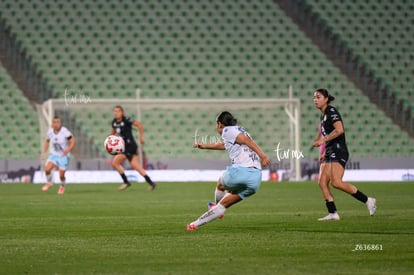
pixel 95 229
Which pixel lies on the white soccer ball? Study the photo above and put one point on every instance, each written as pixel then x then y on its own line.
pixel 114 144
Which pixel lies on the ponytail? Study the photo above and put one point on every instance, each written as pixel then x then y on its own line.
pixel 325 93
pixel 226 119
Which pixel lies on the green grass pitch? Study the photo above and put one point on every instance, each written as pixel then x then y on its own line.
pixel 95 229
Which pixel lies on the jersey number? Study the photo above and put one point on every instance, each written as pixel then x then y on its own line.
pixel 57 147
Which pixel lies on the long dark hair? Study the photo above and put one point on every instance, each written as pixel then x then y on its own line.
pixel 226 119
pixel 326 93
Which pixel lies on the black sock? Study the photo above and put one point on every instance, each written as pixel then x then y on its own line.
pixel 331 206
pixel 360 196
pixel 148 179
pixel 124 178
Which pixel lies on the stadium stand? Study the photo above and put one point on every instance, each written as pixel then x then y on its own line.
pixel 192 49
pixel 380 32
pixel 19 124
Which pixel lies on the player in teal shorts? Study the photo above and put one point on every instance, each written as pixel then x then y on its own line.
pixel 243 177
pixel 60 142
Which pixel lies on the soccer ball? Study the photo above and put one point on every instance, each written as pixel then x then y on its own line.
pixel 114 144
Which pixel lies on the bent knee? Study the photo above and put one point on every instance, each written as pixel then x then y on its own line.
pixel 338 184
pixel 323 182
pixel 323 186
pixel 219 185
pixel 48 170
pixel 115 163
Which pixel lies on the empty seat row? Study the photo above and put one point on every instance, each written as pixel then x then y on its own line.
pixel 247 49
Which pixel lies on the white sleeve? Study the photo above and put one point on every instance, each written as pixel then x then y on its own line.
pixel 49 134
pixel 230 134
pixel 67 133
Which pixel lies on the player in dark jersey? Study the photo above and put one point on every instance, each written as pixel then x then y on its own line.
pixel 122 126
pixel 336 155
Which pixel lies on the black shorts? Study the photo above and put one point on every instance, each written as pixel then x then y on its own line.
pixel 336 153
pixel 130 150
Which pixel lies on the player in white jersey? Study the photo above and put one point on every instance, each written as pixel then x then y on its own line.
pixel 243 177
pixel 60 141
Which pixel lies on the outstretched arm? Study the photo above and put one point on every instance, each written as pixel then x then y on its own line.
pixel 215 146
pixel 243 139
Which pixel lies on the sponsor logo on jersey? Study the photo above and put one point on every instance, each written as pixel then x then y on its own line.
pixel 335 117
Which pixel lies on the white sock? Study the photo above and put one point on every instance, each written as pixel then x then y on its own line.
pixel 49 178
pixel 210 215
pixel 218 195
pixel 62 183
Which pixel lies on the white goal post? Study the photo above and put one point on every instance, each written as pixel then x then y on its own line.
pixel 291 107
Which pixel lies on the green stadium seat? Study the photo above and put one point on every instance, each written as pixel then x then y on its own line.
pixel 193 49
pixel 381 22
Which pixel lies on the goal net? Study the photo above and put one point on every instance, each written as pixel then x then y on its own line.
pixel 171 126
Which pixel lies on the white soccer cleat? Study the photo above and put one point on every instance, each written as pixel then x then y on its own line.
pixel 372 206
pixel 330 217
pixel 124 186
pixel 152 186
pixel 61 190
pixel 46 187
